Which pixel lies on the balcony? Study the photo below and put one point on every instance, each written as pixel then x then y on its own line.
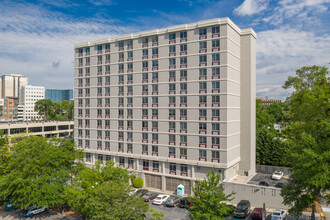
pixel 154 129
pixel 129 116
pixel 183 157
pixel 201 91
pixel 144 128
pixel 172 41
pixel 155 141
pixel 202 64
pixel 171 79
pixel 171 117
pixel 86 126
pixel 215 49
pixel 107 61
pixel 155 68
pixel 202 37
pixel 87 116
pixel 183 65
pixel 107 116
pixel 80 85
pixel 121 71
pixel 216 132
pixel 80 64
pixel 155 56
pixel 121 60
pixel 120 139
pixel 144 152
pixel 122 165
pixel 87 53
pixel 144 57
pixel 107 137
pixel 215 90
pixel 172 172
pixel 130 105
pixel 204 50
pixel 107 149
pixel 107 50
pixel 120 105
pixel 171 130
pixel 216 76
pixel 99 126
pixel 145 45
pixel 107 73
pixel 129 58
pixel 171 155
pixel 155 117
pixel 146 168
pixel 155 170
pixel 144 68
pixel 99 116
pixel 99 137
pixel 107 105
pixel 215 35
pixel 183 143
pixel 183 104
pixel 99 73
pixel 184 131
pixel 99 62
pixel 203 77
pixel 202 145
pixel 214 63
pixel 216 118
pixel 130 47
pixel 183 40
pixel 129 93
pixel 80 126
pixel 171 105
pixel 183 117
pixel 215 146
pixel 171 92
pixel 202 131
pixel 183 52
pixel 99 84
pixel 183 78
pixel 129 81
pixel 120 93
pixel 130 139
pixel 202 159
pixel 145 93
pixel 87 105
pixel 80 75
pixel 215 160
pixel 129 70
pixel 154 43
pixel 154 154
pixel 87 95
pixel 172 67
pixel 99 94
pixel 203 104
pixel 129 151
pixel 183 91
pixel 87 64
pixel 87 74
pixel 120 48
pixel 144 140
pixel 184 174
pixel 172 54
pixel 99 52
pixel 129 128
pixel 171 143
pixel 130 166
pixel 202 118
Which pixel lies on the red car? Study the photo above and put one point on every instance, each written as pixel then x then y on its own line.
pixel 257 213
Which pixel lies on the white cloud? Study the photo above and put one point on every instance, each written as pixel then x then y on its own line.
pixel 250 7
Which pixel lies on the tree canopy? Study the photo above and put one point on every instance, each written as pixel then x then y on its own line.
pixel 37 171
pixel 54 110
pixel 4 152
pixel 209 198
pixel 103 192
pixel 308 138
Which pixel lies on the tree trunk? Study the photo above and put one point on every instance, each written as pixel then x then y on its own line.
pixel 313 212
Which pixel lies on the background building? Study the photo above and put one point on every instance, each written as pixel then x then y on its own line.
pixel 11 85
pixel 59 94
pixel 29 96
pixel 170 103
pixel 266 102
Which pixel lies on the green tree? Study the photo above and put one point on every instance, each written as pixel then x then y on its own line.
pixel 71 110
pixel 38 170
pixel 276 110
pixel 4 152
pixel 209 198
pixel 308 138
pixel 45 108
pixel 103 192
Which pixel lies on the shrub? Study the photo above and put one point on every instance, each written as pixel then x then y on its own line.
pixel 138 182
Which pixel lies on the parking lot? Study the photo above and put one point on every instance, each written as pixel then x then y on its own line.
pixel 51 215
pixel 259 177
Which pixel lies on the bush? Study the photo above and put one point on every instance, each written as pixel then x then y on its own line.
pixel 138 182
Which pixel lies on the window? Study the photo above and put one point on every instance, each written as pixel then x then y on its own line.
pixel 145 148
pixel 216 85
pixel 183 60
pixel 154 112
pixel 172 167
pixel 183 112
pixel 202 113
pixel 99 59
pixel 215 155
pixel 99 48
pixel 155 124
pixel 129 43
pixel 171 125
pixel 184 169
pixel 216 71
pixel 172 36
pixel 171 112
pixel 171 87
pixel 171 49
pixel 183 138
pixel 215 113
pixel 155 149
pixel 202 126
pixel 129 89
pixel 129 66
pixel 129 101
pixel 202 153
pixel 215 57
pixel 171 61
pixel 154 137
pixel 202 59
pixel 144 112
pixel 183 86
pixel 215 140
pixel 183 99
pixel 120 123
pixel 202 99
pixel 155 63
pixel 130 54
pixel 215 43
pixel 183 34
pixel 183 152
pixel 155 76
pixel 215 99
pixel 145 64
pixel 215 30
pixel 202 140
pixel 183 47
pixel 145 136
pixel 129 135
pixel 171 74
pixel 202 31
pixel 215 127
pixel 144 40
pixel 171 150
pixel 145 165
pixel 129 124
pixel 120 147
pixel 203 72
pixel 202 45
pixel 130 148
pixel 171 138
pixel 145 53
pixel 155 165
pixel 154 100
pixel 145 100
pixel 202 86
pixel 183 125
pixel 154 39
pixel 145 88
pixel 171 99
pixel 144 124
pixel 154 51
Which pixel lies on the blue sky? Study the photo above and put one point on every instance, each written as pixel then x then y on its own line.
pixel 37 37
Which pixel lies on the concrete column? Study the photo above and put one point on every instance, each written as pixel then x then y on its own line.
pixel 137 165
pixel 192 171
pixel 163 183
pixel 163 167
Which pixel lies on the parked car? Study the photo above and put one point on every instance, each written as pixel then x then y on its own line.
pixel 160 199
pixel 277 175
pixel 34 210
pixel 279 185
pixel 263 183
pixel 243 208
pixel 134 191
pixel 184 203
pixel 257 213
pixel 172 201
pixel 141 192
pixel 278 215
pixel 149 196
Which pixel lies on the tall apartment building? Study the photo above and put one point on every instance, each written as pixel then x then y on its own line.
pixel 11 85
pixel 59 94
pixel 29 96
pixel 170 103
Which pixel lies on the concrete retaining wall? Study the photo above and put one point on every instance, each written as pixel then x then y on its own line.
pixel 271 169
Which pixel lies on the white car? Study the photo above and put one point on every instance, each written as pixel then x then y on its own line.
pixel 34 210
pixel 160 199
pixel 278 215
pixel 277 175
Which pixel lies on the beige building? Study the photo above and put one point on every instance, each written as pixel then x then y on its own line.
pixel 11 85
pixel 170 103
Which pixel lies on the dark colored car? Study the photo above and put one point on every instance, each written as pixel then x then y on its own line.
pixel 172 201
pixel 279 185
pixel 184 203
pixel 141 192
pixel 243 209
pixel 149 196
pixel 257 213
pixel 263 183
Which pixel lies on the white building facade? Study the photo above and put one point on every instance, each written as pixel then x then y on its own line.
pixel 170 103
pixel 29 96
